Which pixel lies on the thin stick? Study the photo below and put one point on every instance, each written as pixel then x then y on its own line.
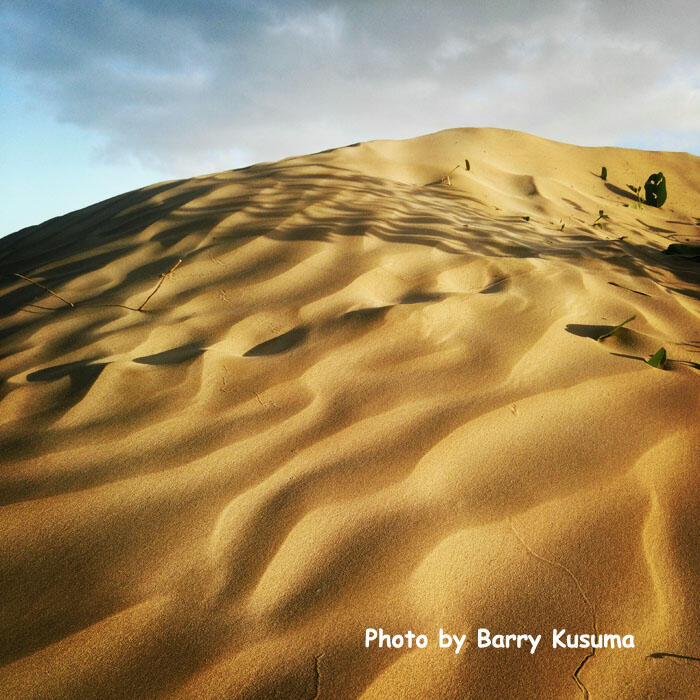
pixel 446 178
pixel 160 281
pixel 38 284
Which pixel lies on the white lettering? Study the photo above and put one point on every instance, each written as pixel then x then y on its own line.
pixel 459 641
pixel 614 640
pixel 556 639
pixel 595 641
pixel 483 638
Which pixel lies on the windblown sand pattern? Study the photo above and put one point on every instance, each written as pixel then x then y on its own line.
pixel 363 399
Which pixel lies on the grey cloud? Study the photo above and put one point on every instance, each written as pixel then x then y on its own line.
pixel 191 87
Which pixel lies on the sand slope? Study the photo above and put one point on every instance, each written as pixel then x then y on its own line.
pixel 365 398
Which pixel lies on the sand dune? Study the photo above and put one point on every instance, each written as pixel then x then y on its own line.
pixel 365 398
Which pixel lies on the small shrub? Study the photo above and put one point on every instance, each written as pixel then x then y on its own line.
pixel 604 174
pixel 655 190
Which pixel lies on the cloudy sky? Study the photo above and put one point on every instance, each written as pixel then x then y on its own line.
pixel 102 96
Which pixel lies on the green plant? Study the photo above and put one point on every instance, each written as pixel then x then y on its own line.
pixel 655 190
pixel 615 329
pixel 638 191
pixel 604 173
pixel 466 164
pixel 658 358
pixel 602 216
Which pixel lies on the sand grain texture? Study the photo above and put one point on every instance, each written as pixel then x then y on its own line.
pixel 365 398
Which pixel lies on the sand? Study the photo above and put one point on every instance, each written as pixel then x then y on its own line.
pixel 365 398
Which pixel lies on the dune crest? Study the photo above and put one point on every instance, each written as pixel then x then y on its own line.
pixel 364 398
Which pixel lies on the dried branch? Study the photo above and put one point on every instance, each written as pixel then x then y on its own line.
pixel 38 284
pixel 160 281
pixel 123 306
pixel 446 178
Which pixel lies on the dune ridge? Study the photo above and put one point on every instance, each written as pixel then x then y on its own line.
pixel 364 398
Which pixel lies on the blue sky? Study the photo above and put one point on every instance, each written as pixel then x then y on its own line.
pixel 100 97
pixel 49 167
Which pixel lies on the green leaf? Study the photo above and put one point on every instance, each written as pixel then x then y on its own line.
pixel 614 330
pixel 658 358
pixel 604 173
pixel 466 164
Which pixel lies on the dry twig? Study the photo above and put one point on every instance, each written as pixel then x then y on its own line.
pixel 160 281
pixel 38 284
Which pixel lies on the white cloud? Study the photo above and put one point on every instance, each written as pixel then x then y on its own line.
pixel 194 88
pixel 325 26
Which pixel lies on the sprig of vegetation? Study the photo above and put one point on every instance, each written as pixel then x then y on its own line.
pixel 604 174
pixel 602 216
pixel 658 358
pixel 615 329
pixel 638 191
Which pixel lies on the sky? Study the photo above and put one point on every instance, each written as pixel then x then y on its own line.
pixel 99 97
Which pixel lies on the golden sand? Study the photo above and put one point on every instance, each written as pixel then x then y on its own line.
pixel 365 398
